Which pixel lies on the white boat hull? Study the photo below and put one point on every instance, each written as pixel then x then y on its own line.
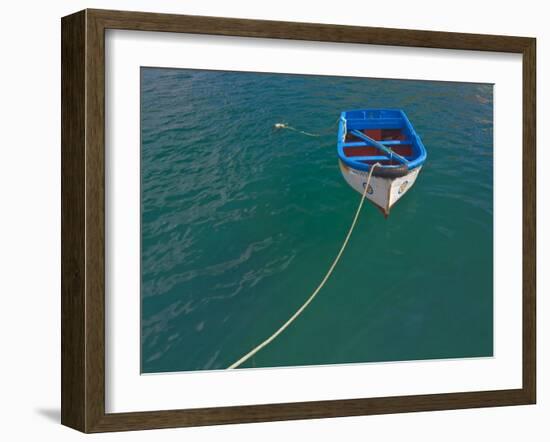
pixel 383 192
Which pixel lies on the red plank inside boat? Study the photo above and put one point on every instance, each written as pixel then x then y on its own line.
pixel 362 151
pixel 379 135
pixel 404 150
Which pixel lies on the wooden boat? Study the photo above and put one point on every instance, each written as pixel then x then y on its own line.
pixel 386 137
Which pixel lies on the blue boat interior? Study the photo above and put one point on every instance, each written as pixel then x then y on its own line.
pixel 383 136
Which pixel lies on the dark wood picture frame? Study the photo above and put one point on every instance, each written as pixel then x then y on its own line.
pixel 83 219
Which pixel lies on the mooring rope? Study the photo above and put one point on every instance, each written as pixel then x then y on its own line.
pixel 286 126
pixel 319 287
pixel 303 132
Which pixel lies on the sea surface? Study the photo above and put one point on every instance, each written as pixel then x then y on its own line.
pixel 240 223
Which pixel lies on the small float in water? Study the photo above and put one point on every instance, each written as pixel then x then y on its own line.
pixel 386 137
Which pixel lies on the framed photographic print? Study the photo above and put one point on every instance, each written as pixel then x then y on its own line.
pixel 269 220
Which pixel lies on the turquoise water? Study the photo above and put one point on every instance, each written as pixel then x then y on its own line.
pixel 240 222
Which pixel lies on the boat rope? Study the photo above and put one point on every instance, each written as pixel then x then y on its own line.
pixel 303 132
pixel 319 287
pixel 286 126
